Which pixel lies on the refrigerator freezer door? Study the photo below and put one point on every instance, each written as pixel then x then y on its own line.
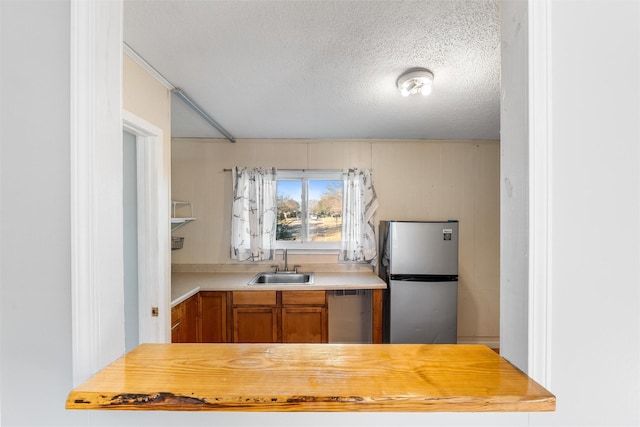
pixel 423 312
pixel 423 248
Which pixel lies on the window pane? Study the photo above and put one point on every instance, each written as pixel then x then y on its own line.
pixel 324 210
pixel 289 215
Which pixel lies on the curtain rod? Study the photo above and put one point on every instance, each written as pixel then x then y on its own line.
pixel 294 170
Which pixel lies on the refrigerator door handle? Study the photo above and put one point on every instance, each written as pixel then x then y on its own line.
pixel 423 278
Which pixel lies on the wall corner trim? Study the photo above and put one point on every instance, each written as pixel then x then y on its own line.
pixel 96 158
pixel 540 202
pixel 135 57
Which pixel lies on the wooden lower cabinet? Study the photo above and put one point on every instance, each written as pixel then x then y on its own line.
pixel 255 317
pixel 214 327
pixel 178 330
pixel 201 318
pixel 184 321
pixel 304 317
pixel 191 318
pixel 280 316
pixel 251 317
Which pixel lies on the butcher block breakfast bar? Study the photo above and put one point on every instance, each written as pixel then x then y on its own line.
pixel 312 377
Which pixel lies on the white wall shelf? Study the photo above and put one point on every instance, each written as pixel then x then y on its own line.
pixel 179 221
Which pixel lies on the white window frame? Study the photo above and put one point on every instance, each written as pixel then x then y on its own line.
pixel 305 176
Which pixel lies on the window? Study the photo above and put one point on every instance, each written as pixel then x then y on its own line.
pixel 309 207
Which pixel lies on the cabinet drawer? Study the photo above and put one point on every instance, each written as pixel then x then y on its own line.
pixel 254 297
pixel 303 297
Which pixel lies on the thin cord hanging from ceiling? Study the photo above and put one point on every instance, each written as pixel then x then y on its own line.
pixel 176 91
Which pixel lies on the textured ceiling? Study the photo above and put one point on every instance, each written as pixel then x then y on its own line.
pixel 324 69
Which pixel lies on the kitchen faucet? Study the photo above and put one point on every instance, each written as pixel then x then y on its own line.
pixel 286 265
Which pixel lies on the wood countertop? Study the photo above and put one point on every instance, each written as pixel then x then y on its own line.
pixel 183 285
pixel 312 377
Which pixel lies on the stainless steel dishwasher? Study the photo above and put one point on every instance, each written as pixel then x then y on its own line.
pixel 350 316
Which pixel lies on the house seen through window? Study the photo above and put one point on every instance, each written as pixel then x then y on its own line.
pixel 309 209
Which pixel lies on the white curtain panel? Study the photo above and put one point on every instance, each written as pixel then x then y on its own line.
pixel 359 205
pixel 253 224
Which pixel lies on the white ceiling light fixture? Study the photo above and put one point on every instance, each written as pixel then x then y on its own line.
pixel 415 81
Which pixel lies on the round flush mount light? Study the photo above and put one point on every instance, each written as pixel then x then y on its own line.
pixel 415 81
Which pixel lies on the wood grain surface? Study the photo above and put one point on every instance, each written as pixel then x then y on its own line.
pixel 312 377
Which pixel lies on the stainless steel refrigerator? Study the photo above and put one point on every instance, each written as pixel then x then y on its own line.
pixel 419 262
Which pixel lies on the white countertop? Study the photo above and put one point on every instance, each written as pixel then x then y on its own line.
pixel 184 285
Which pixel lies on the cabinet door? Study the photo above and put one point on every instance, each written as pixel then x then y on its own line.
pixel 304 324
pixel 178 330
pixel 255 317
pixel 213 317
pixel 257 324
pixel 304 317
pixel 191 319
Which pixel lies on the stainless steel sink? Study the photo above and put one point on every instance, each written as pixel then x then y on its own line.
pixel 282 278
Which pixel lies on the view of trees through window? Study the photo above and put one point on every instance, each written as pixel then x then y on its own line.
pixel 322 210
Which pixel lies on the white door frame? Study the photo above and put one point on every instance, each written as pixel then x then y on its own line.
pixel 154 254
pixel 96 124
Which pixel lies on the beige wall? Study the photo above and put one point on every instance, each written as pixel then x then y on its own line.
pixel 414 180
pixel 144 96
pixel 147 98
